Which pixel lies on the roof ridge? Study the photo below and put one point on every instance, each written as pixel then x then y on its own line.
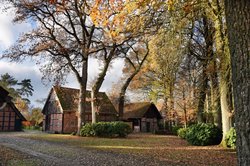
pixel 88 90
pixel 146 102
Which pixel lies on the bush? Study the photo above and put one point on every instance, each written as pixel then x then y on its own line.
pixel 182 132
pixel 106 129
pixel 87 130
pixel 203 134
pixel 121 129
pixel 103 129
pixel 231 138
pixel 174 129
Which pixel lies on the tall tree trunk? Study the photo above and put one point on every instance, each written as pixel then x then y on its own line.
pixel 222 52
pixel 128 80
pixel 225 111
pixel 202 94
pixel 215 96
pixel 184 107
pixel 82 95
pixel 93 107
pixel 238 22
pixel 123 91
pixel 98 83
pixel 171 102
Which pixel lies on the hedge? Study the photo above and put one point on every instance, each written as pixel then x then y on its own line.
pixel 203 134
pixel 106 129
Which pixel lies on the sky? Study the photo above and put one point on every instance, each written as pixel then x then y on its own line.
pixel 9 33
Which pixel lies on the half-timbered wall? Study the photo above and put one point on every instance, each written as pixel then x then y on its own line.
pixel 53 116
pixel 9 121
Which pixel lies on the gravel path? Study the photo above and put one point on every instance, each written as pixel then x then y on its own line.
pixel 50 153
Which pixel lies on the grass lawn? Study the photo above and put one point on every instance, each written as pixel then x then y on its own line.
pixel 165 148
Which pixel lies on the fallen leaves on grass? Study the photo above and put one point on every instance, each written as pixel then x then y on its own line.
pixel 7 154
pixel 171 149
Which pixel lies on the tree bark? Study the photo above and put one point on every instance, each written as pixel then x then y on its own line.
pixel 123 91
pixel 98 84
pixel 184 107
pixel 128 80
pixel 202 94
pixel 238 22
pixel 93 107
pixel 215 96
pixel 225 111
pixel 82 95
pixel 222 52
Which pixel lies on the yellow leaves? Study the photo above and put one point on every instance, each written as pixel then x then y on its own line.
pixel 114 34
pixel 170 4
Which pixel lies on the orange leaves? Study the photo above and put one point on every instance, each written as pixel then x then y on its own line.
pixel 187 8
pixel 108 15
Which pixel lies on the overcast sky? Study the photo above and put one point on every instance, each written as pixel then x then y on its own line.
pixel 9 32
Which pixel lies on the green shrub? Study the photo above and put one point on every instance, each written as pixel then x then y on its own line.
pixel 203 134
pixel 174 129
pixel 103 129
pixel 106 129
pixel 121 129
pixel 87 130
pixel 182 132
pixel 231 138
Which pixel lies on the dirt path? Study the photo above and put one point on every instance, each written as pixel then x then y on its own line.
pixel 51 153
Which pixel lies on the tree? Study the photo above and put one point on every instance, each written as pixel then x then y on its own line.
pixel 36 116
pixel 26 88
pixel 8 82
pixel 217 14
pixel 166 53
pixel 63 40
pixel 17 89
pixel 135 57
pixel 238 23
pixel 108 56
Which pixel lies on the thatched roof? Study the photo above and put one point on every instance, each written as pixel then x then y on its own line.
pixel 68 98
pixel 139 110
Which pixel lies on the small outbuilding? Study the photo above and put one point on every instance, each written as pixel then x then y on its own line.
pixel 144 116
pixel 10 117
pixel 61 110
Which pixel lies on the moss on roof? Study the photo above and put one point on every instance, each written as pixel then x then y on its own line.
pixel 68 98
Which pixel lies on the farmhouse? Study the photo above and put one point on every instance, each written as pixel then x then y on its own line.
pixel 61 110
pixel 144 116
pixel 10 117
